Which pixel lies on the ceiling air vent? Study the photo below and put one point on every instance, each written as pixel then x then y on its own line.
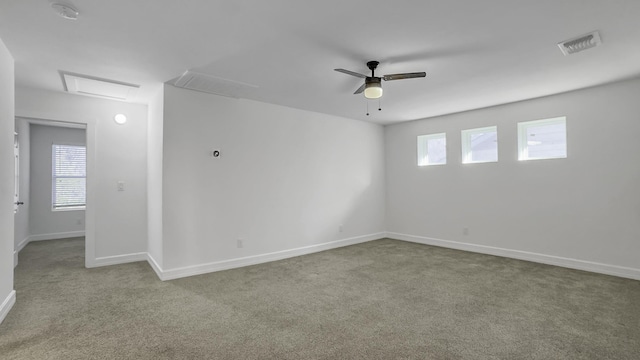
pixel 93 86
pixel 213 85
pixel 580 43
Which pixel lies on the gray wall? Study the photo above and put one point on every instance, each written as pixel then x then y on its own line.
pixel 581 211
pixel 116 221
pixel 154 178
pixel 45 223
pixel 287 179
pixel 7 164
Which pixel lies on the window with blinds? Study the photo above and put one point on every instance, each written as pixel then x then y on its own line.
pixel 69 177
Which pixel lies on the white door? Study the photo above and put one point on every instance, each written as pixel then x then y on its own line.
pixel 16 192
pixel 16 153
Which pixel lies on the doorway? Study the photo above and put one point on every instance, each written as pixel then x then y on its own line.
pixel 52 196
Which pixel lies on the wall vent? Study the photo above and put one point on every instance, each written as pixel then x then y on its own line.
pixel 580 43
pixel 212 85
pixel 93 86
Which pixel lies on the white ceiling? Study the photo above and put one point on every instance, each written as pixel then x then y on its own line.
pixel 475 53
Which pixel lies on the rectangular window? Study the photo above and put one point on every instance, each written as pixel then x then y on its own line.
pixel 432 149
pixel 542 139
pixel 480 145
pixel 69 177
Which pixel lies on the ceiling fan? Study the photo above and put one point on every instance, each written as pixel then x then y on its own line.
pixel 372 86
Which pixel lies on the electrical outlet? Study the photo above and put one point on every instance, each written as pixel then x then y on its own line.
pixel 79 222
pixel 239 243
pixel 465 231
pixel 120 185
pixel 340 228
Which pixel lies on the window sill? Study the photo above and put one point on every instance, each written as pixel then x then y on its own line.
pixel 74 208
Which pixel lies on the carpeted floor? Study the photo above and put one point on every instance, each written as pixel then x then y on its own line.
pixel 384 299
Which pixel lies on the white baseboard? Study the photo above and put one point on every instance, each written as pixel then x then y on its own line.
pixel 116 260
pixel 54 236
pixel 155 266
pixel 171 274
pixel 23 243
pixel 595 267
pixel 7 304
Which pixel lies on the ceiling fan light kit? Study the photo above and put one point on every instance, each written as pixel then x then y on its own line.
pixel 373 88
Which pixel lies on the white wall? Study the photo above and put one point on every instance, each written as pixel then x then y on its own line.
pixel 154 177
pixel 44 223
pixel 7 294
pixel 116 222
pixel 580 212
pixel 21 223
pixel 286 179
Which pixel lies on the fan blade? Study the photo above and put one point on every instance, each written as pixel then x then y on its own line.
pixel 360 89
pixel 404 76
pixel 348 72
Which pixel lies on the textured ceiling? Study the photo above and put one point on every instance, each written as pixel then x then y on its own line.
pixel 475 53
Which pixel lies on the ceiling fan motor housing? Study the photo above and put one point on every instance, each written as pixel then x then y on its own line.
pixel 373 81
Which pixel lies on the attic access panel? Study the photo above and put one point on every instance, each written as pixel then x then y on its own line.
pixel 93 86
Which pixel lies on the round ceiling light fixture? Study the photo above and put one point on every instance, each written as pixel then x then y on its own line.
pixel 120 119
pixel 65 11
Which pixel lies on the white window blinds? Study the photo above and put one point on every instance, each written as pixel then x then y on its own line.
pixel 69 176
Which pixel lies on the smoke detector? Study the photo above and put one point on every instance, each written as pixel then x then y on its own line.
pixel 65 11
pixel 580 43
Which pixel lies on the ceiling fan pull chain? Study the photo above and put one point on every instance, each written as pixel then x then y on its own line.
pixel 367 107
pixel 379 106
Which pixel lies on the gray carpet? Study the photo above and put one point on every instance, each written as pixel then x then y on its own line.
pixel 384 299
